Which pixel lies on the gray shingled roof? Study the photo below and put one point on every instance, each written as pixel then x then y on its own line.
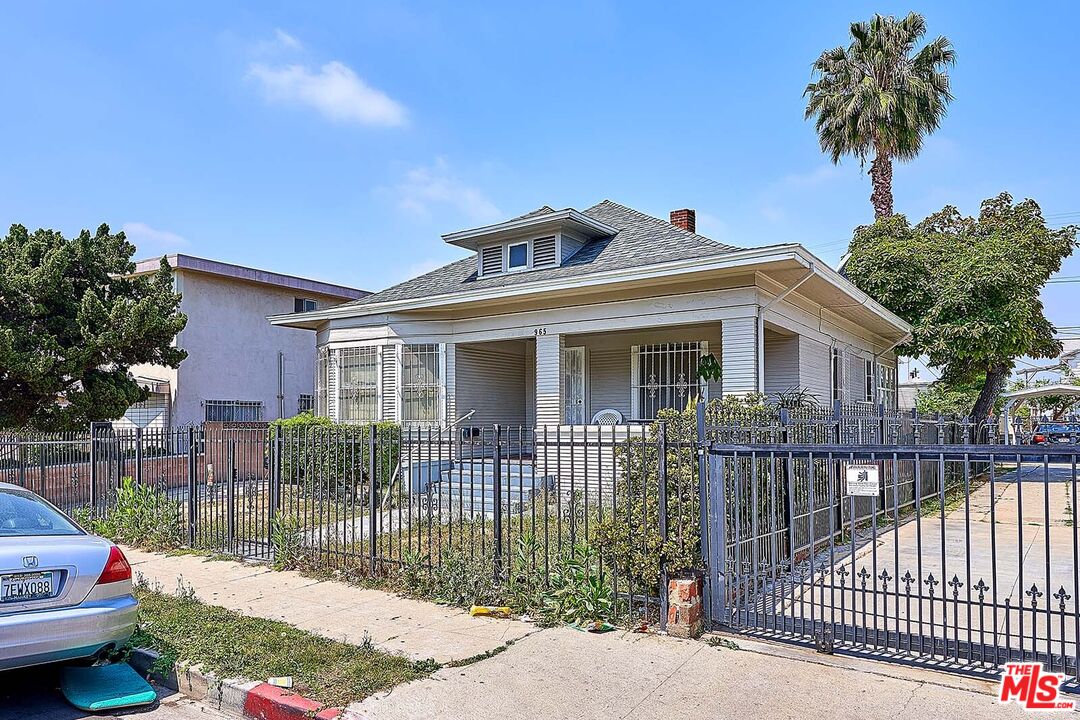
pixel 641 240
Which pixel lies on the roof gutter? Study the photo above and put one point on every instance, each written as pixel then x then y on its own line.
pixel 810 272
pixel 729 260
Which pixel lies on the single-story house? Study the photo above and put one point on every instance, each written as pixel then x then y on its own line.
pixel 574 317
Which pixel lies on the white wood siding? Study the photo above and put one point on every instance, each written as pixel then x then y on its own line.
pixel 449 379
pixel 549 408
pixel 814 369
pixel 739 356
pixel 530 384
pixel 608 380
pixel 569 245
pixel 781 362
pixel 855 376
pixel 493 383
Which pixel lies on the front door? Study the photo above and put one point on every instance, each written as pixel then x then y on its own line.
pixel 574 385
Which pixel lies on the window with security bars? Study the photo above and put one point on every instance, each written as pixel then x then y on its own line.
pixel 233 410
pixel 305 403
pixel 358 384
pixel 665 376
pixel 421 383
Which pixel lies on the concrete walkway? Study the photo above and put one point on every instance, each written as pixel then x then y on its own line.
pixel 563 673
pixel 420 630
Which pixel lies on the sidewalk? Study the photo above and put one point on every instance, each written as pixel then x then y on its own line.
pixel 420 630
pixel 563 673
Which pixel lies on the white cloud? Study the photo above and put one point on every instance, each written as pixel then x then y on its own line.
pixel 424 188
pixel 334 90
pixel 285 40
pixel 151 241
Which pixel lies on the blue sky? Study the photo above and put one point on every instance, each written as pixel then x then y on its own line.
pixel 339 140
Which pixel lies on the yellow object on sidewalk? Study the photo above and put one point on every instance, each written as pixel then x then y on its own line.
pixel 495 611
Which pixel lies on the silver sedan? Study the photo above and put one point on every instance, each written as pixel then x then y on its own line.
pixel 64 594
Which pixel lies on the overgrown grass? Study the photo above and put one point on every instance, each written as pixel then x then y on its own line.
pixel 229 644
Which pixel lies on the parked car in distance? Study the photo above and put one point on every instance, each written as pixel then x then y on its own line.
pixel 64 594
pixel 1054 433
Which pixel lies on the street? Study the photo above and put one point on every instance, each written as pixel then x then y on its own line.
pixel 33 694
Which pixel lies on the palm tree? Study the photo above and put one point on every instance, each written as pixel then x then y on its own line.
pixel 880 95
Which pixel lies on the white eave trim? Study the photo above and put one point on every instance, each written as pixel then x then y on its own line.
pixel 592 226
pixel 729 260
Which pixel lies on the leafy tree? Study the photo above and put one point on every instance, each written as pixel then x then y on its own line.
pixel 950 398
pixel 969 286
pixel 73 321
pixel 880 95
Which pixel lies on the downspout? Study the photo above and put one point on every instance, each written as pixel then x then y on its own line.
pixel 281 385
pixel 760 330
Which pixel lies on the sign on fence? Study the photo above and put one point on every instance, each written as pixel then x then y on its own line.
pixel 863 480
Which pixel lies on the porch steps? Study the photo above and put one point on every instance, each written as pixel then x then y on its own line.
pixel 469 487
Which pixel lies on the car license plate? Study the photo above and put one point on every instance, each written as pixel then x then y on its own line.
pixel 26 586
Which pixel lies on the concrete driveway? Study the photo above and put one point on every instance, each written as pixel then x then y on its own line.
pixel 1004 540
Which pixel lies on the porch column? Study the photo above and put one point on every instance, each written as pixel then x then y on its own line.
pixel 549 409
pixel 739 356
pixel 450 381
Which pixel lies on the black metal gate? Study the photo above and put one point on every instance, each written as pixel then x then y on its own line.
pixel 961 556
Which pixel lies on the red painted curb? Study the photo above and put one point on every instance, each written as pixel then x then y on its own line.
pixel 328 713
pixel 267 702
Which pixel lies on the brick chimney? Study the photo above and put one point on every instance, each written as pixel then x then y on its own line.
pixel 685 219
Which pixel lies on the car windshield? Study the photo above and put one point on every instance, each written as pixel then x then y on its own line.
pixel 25 514
pixel 1053 428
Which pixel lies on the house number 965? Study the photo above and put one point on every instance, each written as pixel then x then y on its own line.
pixel 540 331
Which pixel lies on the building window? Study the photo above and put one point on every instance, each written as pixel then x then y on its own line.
pixel 518 256
pixel 837 373
pixel 421 383
pixel 358 384
pixel 868 391
pixel 233 410
pixel 305 403
pixel 665 376
pixel 887 386
pixel 304 305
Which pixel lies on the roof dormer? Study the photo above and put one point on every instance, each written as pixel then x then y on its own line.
pixel 543 239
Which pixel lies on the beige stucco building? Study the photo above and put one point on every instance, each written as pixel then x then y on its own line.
pixel 239 367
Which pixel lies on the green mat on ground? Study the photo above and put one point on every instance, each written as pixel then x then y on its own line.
pixel 105 687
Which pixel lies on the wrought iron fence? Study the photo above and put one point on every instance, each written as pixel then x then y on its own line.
pixel 966 576
pixel 517 508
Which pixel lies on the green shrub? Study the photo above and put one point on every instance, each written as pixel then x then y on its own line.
pixel 287 542
pixel 458 579
pixel 578 592
pixel 629 540
pixel 139 515
pixel 329 459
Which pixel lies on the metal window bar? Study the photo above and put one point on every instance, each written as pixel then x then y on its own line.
pixel 358 384
pixel 665 377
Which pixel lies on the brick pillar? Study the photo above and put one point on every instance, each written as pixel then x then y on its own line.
pixel 685 617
